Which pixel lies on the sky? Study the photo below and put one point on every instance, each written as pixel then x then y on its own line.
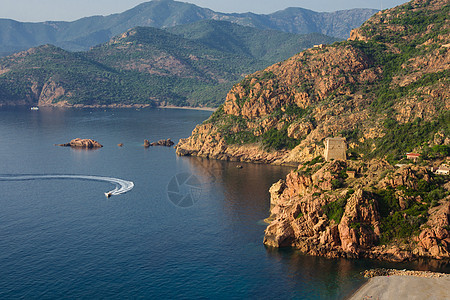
pixel 69 10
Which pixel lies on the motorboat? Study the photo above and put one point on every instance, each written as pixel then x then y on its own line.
pixel 108 195
pixel 34 108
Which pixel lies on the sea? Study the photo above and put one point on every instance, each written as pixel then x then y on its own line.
pixel 173 228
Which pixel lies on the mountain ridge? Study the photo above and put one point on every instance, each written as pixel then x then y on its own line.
pixel 80 35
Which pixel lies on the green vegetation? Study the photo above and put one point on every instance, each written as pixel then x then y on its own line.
pixel 403 223
pixel 392 62
pixel 153 66
pixel 278 139
pixel 403 138
pixel 315 160
pixel 235 131
pixel 335 210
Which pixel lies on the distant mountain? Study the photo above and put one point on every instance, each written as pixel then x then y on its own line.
pixel 194 64
pixel 84 33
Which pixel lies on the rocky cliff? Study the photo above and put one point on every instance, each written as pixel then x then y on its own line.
pixel 392 72
pixel 378 214
pixel 386 90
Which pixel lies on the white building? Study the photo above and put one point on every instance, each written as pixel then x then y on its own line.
pixel 443 170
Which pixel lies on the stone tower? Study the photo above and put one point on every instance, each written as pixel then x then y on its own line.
pixel 335 148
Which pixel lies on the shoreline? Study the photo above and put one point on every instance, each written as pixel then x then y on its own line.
pixel 137 106
pixel 188 107
pixel 403 284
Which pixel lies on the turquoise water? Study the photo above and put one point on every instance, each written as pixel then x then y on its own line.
pixel 62 238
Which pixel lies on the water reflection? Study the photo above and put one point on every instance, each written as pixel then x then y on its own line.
pixel 245 191
pixel 244 197
pixel 339 277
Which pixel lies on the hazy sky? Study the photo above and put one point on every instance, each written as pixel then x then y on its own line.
pixel 46 10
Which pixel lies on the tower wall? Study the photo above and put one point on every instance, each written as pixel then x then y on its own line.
pixel 335 148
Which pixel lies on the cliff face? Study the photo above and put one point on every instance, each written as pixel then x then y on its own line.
pixel 392 71
pixel 325 214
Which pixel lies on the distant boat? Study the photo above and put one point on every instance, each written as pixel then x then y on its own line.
pixel 34 108
pixel 108 194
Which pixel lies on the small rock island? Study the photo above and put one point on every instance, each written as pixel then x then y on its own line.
pixel 164 143
pixel 82 143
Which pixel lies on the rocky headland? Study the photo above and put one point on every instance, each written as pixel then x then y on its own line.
pixel 386 91
pixel 383 78
pixel 383 213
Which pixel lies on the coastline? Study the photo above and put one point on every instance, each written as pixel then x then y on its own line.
pixel 2 105
pixel 187 107
pixel 403 284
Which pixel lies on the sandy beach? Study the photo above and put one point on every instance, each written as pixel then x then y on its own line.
pixel 406 285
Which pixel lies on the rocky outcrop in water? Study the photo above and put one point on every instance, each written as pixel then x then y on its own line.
pixel 82 143
pixel 164 143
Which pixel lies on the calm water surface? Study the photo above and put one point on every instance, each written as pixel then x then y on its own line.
pixel 62 238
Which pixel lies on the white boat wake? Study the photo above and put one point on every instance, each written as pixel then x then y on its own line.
pixel 122 186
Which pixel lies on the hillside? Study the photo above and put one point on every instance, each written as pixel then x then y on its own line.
pixel 48 75
pixel 87 32
pixel 378 81
pixel 148 66
pixel 386 90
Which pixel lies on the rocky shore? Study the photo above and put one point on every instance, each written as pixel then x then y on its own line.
pixel 391 272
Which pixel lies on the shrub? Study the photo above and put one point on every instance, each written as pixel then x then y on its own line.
pixel 335 210
pixel 336 183
pixel 386 202
pixel 278 139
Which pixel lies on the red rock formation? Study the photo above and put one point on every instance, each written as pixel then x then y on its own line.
pixel 322 92
pixel 82 143
pixel 298 216
pixel 434 240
